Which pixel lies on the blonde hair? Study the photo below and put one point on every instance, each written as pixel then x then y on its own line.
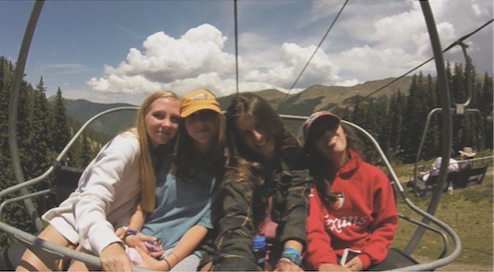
pixel 146 170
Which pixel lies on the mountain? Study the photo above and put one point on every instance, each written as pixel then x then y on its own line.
pixel 304 103
pixel 319 97
pixel 82 110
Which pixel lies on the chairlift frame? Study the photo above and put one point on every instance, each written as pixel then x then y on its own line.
pixel 35 243
pixel 446 113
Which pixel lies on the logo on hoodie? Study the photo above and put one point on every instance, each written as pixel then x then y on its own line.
pixel 340 200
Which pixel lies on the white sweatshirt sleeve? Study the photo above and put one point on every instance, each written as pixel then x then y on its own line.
pixel 107 174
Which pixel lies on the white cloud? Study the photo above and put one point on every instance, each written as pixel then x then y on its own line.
pixel 197 60
pixel 165 60
pixel 370 41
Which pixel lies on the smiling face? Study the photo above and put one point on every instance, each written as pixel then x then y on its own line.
pixel 162 120
pixel 255 137
pixel 329 139
pixel 203 127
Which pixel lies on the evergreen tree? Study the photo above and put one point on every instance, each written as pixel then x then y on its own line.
pixel 86 151
pixel 432 145
pixel 395 120
pixel 40 141
pixel 61 132
pixel 40 131
pixel 6 71
pixel 486 108
pixel 412 128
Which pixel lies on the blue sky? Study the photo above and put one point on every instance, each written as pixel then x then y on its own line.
pixel 119 51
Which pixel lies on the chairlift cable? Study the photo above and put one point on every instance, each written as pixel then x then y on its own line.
pixel 236 42
pixel 311 57
pixel 420 65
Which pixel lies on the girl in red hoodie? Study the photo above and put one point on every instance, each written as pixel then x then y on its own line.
pixel 351 204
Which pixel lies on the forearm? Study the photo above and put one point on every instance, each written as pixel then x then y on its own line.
pixel 233 245
pixel 295 245
pixel 137 219
pixel 295 212
pixel 187 244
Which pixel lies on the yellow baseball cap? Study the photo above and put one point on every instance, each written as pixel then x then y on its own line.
pixel 200 99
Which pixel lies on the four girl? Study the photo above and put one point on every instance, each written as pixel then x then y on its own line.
pixel 258 176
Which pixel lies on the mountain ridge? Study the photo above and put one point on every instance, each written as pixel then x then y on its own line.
pixel 312 99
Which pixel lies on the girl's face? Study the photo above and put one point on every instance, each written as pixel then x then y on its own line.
pixel 162 120
pixel 329 139
pixel 256 138
pixel 203 127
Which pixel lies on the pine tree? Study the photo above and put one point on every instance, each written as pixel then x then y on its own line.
pixel 486 108
pixel 86 151
pixel 40 144
pixel 40 131
pixel 61 132
pixel 395 119
pixel 6 71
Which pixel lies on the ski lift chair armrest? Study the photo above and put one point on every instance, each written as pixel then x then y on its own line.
pixel 22 197
pixel 34 243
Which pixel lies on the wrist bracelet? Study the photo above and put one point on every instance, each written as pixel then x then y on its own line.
pixel 291 250
pixel 129 232
pixel 168 263
pixel 295 258
pixel 174 255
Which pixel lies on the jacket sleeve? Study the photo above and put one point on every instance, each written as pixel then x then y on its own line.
pixel 385 222
pixel 319 248
pixel 234 241
pixel 296 183
pixel 108 171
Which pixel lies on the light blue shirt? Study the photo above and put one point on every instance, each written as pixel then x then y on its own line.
pixel 180 205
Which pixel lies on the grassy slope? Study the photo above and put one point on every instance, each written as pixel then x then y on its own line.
pixel 469 212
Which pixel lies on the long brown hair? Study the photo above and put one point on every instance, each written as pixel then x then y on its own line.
pixel 319 166
pixel 247 166
pixel 214 159
pixel 146 170
pixel 287 145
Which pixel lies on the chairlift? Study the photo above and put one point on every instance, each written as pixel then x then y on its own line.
pixel 9 259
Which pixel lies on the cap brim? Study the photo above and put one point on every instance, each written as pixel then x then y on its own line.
pixel 322 119
pixel 198 108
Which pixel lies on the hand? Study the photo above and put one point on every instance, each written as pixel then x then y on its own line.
pixel 149 262
pixel 332 267
pixel 288 266
pixel 138 240
pixel 114 258
pixel 355 264
pixel 120 232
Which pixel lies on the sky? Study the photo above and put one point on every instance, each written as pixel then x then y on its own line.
pixel 120 51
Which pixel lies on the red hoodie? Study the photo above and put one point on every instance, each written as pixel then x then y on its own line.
pixel 364 218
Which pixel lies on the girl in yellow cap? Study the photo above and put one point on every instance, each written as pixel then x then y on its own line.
pixel 184 190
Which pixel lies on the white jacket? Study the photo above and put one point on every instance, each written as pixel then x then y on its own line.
pixel 107 192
